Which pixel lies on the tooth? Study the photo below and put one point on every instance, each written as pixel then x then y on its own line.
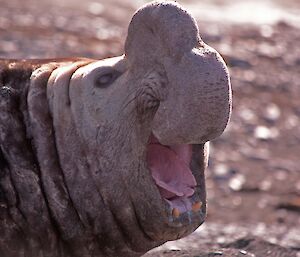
pixel 196 206
pixel 175 213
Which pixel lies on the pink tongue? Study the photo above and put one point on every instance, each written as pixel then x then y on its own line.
pixel 169 168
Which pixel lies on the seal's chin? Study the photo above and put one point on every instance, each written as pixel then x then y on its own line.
pixel 170 169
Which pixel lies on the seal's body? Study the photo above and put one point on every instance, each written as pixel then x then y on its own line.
pixel 107 157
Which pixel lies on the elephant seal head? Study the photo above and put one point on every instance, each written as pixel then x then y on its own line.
pixel 131 133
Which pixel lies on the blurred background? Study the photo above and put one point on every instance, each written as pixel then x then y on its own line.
pixel 253 180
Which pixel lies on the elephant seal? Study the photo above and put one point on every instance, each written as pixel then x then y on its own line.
pixel 107 157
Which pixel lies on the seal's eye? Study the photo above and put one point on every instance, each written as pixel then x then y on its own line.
pixel 106 78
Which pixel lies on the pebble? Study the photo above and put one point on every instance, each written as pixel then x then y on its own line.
pixel 266 31
pixel 265 185
pixel 249 75
pixel 237 201
pixel 24 19
pixel 265 133
pixel 272 112
pixel 280 175
pixel 292 121
pixel 95 8
pixel 221 170
pixel 217 253
pixel 247 115
pixel 236 183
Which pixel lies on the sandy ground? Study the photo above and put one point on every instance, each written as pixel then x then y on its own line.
pixel 253 178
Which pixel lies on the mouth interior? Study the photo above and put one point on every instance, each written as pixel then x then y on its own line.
pixel 169 166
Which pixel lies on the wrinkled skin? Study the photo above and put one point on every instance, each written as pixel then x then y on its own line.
pixel 74 137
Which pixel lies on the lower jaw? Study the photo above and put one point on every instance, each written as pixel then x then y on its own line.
pixel 179 227
pixel 190 216
pixel 171 226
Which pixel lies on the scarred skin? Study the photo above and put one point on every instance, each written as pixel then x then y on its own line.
pixel 74 179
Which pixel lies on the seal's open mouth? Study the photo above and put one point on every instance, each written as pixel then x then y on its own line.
pixel 169 166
